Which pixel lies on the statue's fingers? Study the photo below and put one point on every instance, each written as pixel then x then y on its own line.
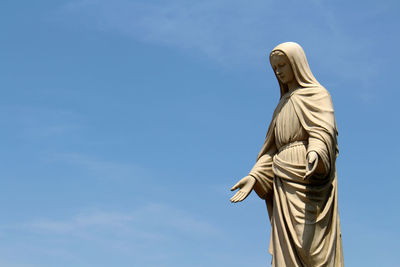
pixel 245 195
pixel 312 157
pixel 236 186
pixel 240 196
pixel 236 197
pixel 310 170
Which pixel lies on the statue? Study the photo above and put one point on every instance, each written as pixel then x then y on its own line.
pixel 295 171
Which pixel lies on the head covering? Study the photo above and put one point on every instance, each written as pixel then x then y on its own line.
pixel 299 64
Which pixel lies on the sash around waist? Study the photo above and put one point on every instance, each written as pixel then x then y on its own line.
pixel 291 167
pixel 292 144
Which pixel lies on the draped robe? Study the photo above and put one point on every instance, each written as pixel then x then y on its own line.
pixel 305 227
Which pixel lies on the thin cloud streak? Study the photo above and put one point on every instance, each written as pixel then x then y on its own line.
pixel 145 234
pixel 214 28
pixel 147 228
pixel 100 168
pixel 232 33
pixel 39 123
pixel 145 220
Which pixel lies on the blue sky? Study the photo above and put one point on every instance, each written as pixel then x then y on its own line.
pixel 125 123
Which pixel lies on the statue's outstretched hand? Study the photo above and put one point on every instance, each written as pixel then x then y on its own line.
pixel 246 185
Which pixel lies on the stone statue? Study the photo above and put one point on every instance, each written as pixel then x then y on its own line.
pixel 295 171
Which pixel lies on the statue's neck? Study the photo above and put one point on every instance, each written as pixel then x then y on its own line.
pixel 293 85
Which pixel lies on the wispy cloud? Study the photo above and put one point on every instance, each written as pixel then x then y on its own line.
pixel 81 222
pixel 150 230
pixel 217 29
pixel 13 264
pixel 233 33
pixel 148 222
pixel 34 122
pixel 97 167
pixel 148 234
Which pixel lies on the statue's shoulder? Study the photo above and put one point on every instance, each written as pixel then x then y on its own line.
pixel 312 91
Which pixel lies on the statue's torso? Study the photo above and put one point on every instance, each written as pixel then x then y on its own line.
pixel 290 136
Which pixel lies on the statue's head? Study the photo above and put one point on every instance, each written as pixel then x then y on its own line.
pixel 282 67
pixel 290 65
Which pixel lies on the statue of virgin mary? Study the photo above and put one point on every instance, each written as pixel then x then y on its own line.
pixel 295 172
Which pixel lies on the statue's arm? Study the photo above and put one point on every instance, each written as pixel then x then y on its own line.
pixel 261 176
pixel 262 172
pixel 260 179
pixel 317 157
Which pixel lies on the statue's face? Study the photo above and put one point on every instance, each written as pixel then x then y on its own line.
pixel 281 66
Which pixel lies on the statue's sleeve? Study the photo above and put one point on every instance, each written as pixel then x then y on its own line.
pixel 262 172
pixel 316 144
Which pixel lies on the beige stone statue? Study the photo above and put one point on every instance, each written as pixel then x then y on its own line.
pixel 295 171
